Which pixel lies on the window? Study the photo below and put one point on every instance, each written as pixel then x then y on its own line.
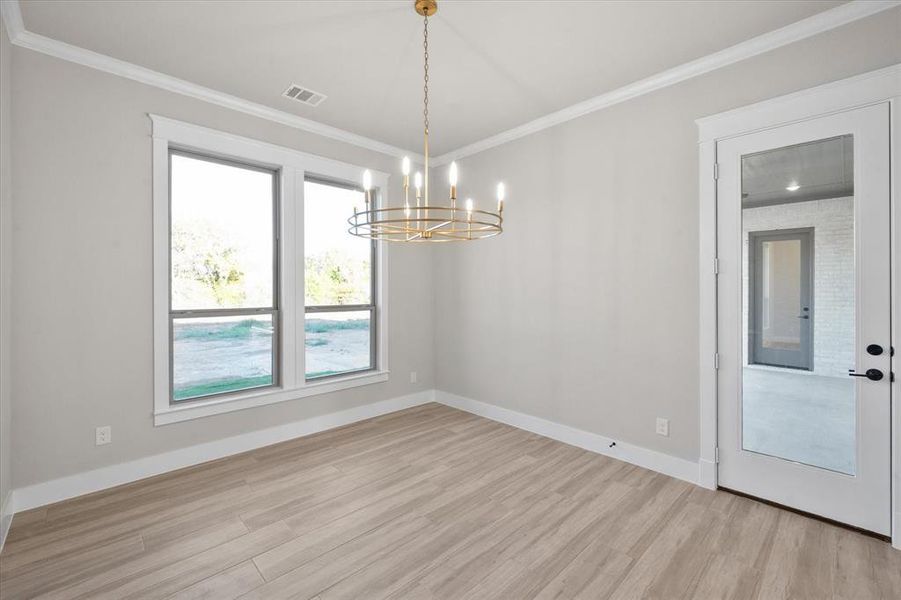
pixel 260 293
pixel 224 273
pixel 338 284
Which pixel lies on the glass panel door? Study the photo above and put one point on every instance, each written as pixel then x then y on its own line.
pixel 804 316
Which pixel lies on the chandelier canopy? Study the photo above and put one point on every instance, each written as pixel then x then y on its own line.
pixel 418 220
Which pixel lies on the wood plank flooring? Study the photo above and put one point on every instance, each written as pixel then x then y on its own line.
pixel 430 503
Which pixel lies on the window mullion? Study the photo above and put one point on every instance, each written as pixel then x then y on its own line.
pixel 298 300
pixel 288 317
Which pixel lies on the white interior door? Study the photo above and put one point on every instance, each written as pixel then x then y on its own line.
pixel 813 434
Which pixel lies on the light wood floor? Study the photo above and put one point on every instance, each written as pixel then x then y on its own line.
pixel 432 503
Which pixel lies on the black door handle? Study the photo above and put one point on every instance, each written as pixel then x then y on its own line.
pixel 871 374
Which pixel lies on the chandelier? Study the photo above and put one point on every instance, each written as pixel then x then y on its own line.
pixel 418 220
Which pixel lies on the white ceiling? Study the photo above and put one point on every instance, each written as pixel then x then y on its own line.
pixel 494 64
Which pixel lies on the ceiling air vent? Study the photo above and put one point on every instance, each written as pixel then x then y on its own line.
pixel 302 94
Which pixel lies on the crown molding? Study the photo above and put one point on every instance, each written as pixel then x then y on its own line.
pixel 20 36
pixel 12 18
pixel 805 28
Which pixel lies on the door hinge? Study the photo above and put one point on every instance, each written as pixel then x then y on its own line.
pixel 716 266
pixel 716 360
pixel 716 171
pixel 716 455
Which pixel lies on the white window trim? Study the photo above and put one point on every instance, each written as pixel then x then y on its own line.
pixel 292 166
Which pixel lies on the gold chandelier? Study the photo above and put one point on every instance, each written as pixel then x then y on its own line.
pixel 423 221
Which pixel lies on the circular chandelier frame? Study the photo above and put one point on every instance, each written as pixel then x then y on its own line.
pixel 433 224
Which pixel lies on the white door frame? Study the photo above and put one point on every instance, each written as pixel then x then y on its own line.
pixel 883 85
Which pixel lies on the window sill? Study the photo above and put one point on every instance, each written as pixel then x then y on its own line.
pixel 201 408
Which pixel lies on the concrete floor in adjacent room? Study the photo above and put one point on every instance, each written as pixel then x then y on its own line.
pixel 800 417
pixel 426 503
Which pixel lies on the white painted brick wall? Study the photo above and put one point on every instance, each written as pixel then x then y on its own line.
pixel 833 257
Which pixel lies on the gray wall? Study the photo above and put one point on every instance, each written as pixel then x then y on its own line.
pixel 585 311
pixel 82 296
pixel 5 266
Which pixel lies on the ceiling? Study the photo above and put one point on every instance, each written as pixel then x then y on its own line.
pixel 494 64
pixel 800 173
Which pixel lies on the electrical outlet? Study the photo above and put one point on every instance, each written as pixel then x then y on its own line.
pixel 414 377
pixel 662 426
pixel 103 435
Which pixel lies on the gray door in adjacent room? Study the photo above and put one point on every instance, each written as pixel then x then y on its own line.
pixel 780 303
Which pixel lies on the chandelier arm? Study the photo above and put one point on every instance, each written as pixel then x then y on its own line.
pixel 439 225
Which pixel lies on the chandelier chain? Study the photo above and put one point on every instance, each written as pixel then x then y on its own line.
pixel 425 87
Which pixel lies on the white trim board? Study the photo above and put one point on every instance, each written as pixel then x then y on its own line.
pixel 805 28
pixel 6 517
pixel 895 148
pixel 56 490
pixel 673 466
pixel 843 94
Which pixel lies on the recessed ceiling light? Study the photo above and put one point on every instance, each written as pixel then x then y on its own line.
pixel 793 187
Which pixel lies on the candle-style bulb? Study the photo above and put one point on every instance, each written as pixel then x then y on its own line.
pixel 405 165
pixel 501 192
pixel 417 180
pixel 469 205
pixel 452 177
pixel 367 180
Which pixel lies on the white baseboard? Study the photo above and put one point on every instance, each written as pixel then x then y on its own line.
pixel 6 517
pixel 48 492
pixel 707 474
pixel 896 532
pixel 702 473
pixel 679 468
